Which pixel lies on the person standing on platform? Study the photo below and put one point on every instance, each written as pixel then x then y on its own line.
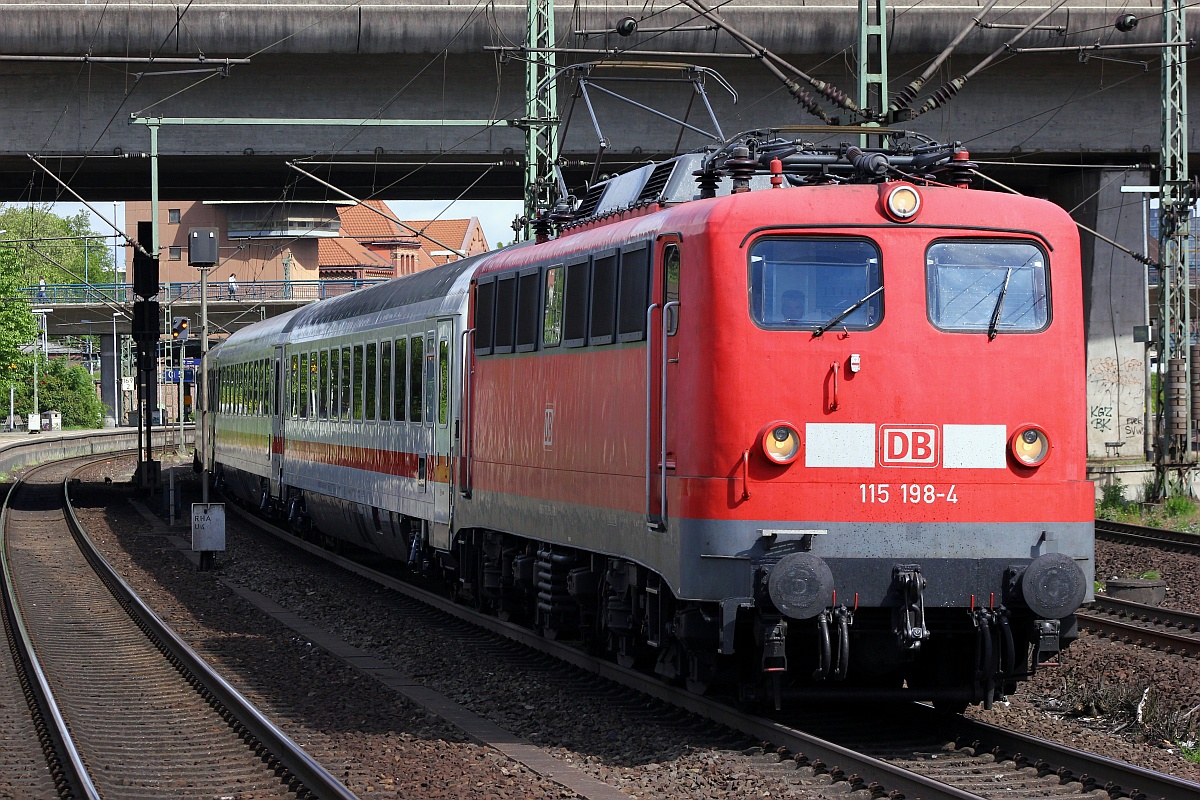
pixel 232 287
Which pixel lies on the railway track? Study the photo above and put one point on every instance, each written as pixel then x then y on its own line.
pixel 120 706
pixel 1164 629
pixel 1173 541
pixel 924 755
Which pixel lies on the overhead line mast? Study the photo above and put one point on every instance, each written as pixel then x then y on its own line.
pixel 541 111
pixel 1176 415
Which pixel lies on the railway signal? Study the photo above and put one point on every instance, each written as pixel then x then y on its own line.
pixel 179 329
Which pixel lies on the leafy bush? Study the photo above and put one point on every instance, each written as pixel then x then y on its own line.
pixel 1112 501
pixel 1179 506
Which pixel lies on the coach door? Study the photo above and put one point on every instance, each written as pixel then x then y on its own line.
pixel 439 355
pixel 662 354
pixel 278 380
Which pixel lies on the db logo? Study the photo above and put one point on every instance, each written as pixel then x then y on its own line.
pixel 908 445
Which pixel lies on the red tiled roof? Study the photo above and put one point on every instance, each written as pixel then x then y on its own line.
pixel 365 225
pixel 343 252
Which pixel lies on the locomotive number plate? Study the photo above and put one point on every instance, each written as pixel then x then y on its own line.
pixel 907 493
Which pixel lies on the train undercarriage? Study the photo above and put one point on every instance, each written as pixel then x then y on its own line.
pixel 742 647
pixel 952 656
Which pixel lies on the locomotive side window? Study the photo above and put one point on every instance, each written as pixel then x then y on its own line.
pixel 415 359
pixel 485 316
pixel 635 294
pixel 671 266
pixel 506 312
pixel 527 310
pixel 401 382
pixel 989 286
pixel 604 299
pixel 385 381
pixel 806 283
pixel 552 317
pixel 370 381
pixel 344 385
pixel 575 312
pixel 356 381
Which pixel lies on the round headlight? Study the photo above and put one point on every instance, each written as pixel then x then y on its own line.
pixel 780 442
pixel 903 203
pixel 1030 446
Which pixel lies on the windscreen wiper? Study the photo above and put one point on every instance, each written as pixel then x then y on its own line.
pixel 999 309
pixel 847 313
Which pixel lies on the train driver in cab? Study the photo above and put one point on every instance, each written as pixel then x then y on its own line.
pixel 791 306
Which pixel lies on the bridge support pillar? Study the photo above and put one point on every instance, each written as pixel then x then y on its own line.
pixel 1115 302
pixel 110 379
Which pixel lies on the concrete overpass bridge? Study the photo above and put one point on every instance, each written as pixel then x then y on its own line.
pixel 397 59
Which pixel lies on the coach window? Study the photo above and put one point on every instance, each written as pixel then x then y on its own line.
pixel 385 381
pixel 553 307
pixel 430 375
pixel 485 315
pixel 370 381
pixel 322 390
pixel 314 385
pixel 401 395
pixel 805 283
pixel 604 299
pixel 293 378
pixel 635 294
pixel 575 307
pixel 444 381
pixel 304 385
pixel 335 372
pixel 987 286
pixel 416 357
pixel 506 307
pixel 356 381
pixel 344 385
pixel 528 304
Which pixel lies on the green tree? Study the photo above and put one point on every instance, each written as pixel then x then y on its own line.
pixel 58 249
pixel 63 387
pixel 69 389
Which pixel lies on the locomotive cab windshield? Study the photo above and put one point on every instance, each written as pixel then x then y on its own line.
pixel 987 286
pixel 806 283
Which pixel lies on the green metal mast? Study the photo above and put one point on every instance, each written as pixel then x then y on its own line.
pixel 872 58
pixel 1174 453
pixel 541 111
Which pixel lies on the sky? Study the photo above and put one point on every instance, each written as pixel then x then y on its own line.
pixel 495 216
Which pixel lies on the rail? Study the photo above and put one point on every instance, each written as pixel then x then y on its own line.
pixel 291 756
pixel 184 292
pixel 66 756
pixel 1139 534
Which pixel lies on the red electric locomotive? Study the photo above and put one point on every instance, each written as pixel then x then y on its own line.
pixel 773 416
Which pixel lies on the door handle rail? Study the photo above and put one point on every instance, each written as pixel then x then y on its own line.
pixel 464 413
pixel 662 464
pixel 649 404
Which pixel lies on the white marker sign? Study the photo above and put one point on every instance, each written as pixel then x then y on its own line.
pixel 208 526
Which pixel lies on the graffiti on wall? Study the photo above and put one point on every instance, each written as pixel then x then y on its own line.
pixel 1117 372
pixel 1101 418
